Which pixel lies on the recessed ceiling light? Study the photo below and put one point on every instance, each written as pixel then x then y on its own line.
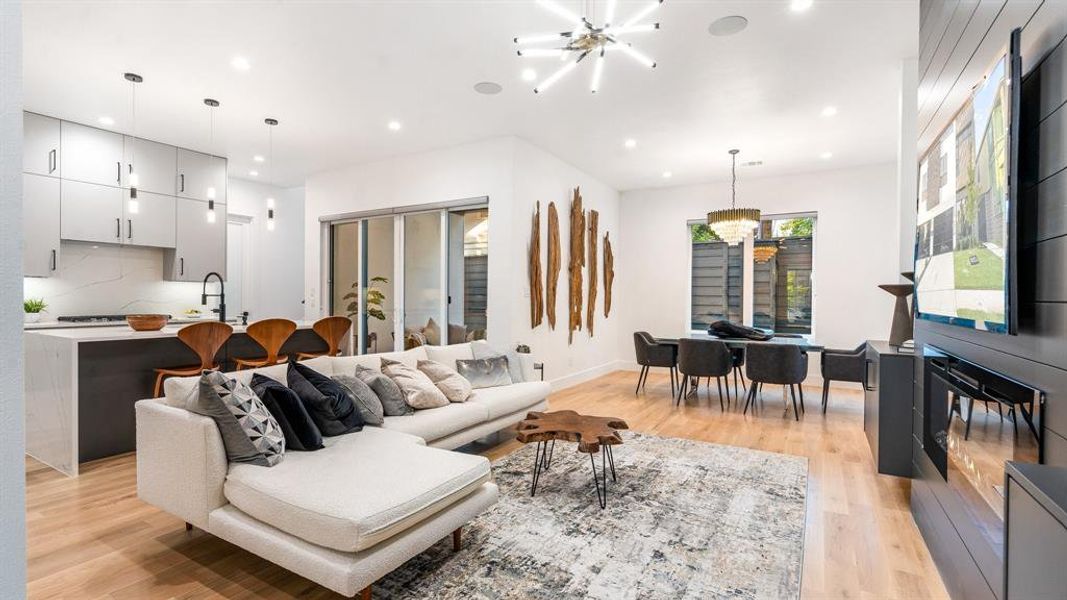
pixel 108 121
pixel 728 26
pixel 829 111
pixel 489 88
pixel 630 144
pixel 257 158
pixel 800 5
pixel 667 174
pixel 529 75
pixel 253 173
pixel 240 63
pixel 394 125
pixel 826 155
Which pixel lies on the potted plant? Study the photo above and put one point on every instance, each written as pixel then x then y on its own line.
pixel 375 299
pixel 32 309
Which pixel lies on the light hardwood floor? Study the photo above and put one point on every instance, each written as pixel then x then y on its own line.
pixel 91 537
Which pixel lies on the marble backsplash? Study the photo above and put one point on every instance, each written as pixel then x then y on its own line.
pixel 110 279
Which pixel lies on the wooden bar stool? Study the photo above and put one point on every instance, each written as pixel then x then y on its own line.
pixel 203 338
pixel 271 334
pixel 331 329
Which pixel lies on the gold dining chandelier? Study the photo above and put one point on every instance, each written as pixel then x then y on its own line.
pixel 733 224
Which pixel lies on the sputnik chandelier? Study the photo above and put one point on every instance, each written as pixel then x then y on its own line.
pixel 583 39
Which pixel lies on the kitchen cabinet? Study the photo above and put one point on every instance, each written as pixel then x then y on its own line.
pixel 91 212
pixel 156 165
pixel 154 222
pixel 199 246
pixel 90 155
pixel 40 145
pixel 197 172
pixel 40 225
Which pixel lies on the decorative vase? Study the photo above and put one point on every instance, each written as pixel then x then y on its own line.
pixel 31 317
pixel 902 328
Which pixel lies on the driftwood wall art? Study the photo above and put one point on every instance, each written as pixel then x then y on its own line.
pixel 574 267
pixel 609 273
pixel 590 311
pixel 537 293
pixel 553 264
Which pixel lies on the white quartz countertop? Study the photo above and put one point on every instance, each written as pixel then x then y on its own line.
pixel 122 331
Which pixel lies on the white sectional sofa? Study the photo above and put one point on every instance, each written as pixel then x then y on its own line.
pixel 347 514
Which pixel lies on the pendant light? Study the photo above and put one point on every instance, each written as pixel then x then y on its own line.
pixel 132 205
pixel 212 104
pixel 271 123
pixel 733 224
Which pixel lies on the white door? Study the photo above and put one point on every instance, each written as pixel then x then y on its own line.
pixel 90 212
pixel 198 172
pixel 153 222
pixel 156 165
pixel 199 246
pixel 40 145
pixel 40 225
pixel 90 155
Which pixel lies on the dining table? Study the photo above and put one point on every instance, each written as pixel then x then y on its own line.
pixel 805 344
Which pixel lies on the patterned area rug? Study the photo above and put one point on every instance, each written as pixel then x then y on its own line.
pixel 685 520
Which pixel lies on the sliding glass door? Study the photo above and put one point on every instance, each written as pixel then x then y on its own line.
pixel 468 274
pixel 424 291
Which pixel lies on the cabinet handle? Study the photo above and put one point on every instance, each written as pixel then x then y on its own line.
pixel 181 268
pixel 129 229
pixel 118 228
pixel 53 259
pixel 867 375
pixel 52 160
pixel 118 172
pixel 182 176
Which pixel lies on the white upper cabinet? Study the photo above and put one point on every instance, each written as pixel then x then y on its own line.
pixel 153 222
pixel 200 246
pixel 40 145
pixel 198 172
pixel 91 155
pixel 156 165
pixel 40 225
pixel 91 212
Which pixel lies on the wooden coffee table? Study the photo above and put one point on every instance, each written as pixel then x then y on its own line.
pixel 593 434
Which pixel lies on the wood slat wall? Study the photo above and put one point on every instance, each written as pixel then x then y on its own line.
pixel 716 282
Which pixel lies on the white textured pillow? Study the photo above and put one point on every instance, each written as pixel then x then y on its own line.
pixel 419 391
pixel 454 386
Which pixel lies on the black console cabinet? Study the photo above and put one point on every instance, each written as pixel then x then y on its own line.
pixel 888 388
pixel 1036 532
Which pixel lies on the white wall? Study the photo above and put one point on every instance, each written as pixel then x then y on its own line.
pixel 12 465
pixel 856 248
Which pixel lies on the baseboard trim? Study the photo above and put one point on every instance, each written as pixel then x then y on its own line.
pixel 561 383
pixel 814 378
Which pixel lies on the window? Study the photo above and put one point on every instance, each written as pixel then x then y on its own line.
pixel 782 292
pixel 717 278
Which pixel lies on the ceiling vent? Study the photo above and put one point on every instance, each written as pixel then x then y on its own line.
pixel 752 163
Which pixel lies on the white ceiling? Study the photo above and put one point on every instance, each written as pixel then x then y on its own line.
pixel 335 73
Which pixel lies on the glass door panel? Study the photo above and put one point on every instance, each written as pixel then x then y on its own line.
pixel 468 268
pixel 379 309
pixel 423 289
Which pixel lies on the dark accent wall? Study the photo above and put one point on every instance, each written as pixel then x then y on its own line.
pixel 958 39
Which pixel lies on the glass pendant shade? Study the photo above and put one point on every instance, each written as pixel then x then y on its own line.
pixel 733 225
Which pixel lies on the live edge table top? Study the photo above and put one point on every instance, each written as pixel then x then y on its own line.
pixel 590 432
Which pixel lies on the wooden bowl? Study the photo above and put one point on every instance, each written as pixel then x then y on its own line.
pixel 147 322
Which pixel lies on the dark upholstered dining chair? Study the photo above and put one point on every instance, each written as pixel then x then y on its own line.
pixel 841 365
pixel 776 364
pixel 651 353
pixel 703 358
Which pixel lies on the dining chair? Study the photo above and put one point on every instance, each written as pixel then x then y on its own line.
pixel 271 334
pixel 651 353
pixel 704 358
pixel 738 355
pixel 204 339
pixel 841 365
pixel 333 331
pixel 776 364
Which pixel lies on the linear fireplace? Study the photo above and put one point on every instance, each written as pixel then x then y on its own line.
pixel 974 421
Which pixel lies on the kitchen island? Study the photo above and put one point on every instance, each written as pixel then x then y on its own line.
pixel 82 382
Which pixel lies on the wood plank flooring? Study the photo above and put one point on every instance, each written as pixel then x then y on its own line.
pixel 91 537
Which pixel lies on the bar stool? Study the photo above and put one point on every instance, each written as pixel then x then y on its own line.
pixel 204 339
pixel 271 334
pixel 332 330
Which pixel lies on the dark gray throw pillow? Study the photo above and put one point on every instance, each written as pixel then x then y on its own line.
pixel 367 403
pixel 388 392
pixel 327 402
pixel 300 431
pixel 485 372
pixel 249 433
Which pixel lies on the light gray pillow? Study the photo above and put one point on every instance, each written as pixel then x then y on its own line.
pixel 366 401
pixel 250 434
pixel 419 392
pixel 482 349
pixel 388 393
pixel 453 385
pixel 485 372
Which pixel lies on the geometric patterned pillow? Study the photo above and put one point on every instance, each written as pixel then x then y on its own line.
pixel 249 432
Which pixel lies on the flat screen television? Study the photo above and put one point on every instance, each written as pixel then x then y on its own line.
pixel 965 242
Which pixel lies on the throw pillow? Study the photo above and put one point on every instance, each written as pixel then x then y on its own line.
pixel 367 403
pixel 419 392
pixel 485 372
pixel 390 395
pixel 325 400
pixel 283 403
pixel 451 383
pixel 482 349
pixel 249 433
pixel 432 331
